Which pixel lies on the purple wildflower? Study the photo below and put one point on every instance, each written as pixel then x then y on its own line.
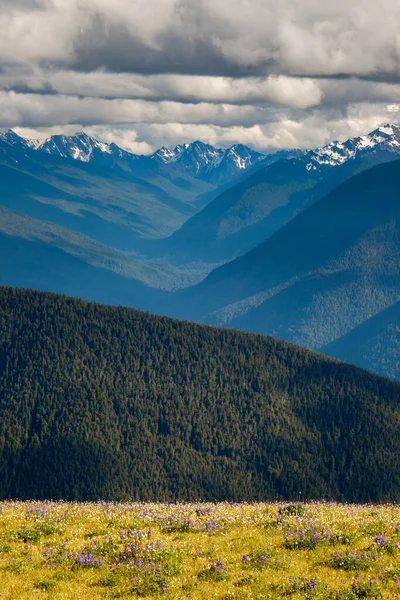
pixel 380 539
pixel 311 585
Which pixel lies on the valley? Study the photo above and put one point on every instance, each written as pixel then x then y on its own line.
pixel 293 244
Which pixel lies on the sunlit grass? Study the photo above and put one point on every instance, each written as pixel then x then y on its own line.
pixel 326 551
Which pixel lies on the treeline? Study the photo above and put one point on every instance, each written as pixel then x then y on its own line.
pixel 113 403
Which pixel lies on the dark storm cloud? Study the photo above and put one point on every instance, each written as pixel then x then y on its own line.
pixel 239 38
pixel 111 46
pixel 218 39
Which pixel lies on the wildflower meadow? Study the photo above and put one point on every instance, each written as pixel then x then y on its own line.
pixel 318 550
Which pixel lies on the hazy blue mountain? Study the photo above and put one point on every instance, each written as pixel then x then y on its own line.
pixel 41 255
pixel 83 148
pixel 110 205
pixel 155 274
pixel 198 169
pixel 243 215
pixel 111 195
pixel 373 345
pixel 332 267
pixel 75 217
pixel 247 213
pixel 108 159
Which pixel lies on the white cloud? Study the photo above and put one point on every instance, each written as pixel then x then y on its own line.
pixel 29 109
pixel 273 90
pixel 272 74
pixel 125 137
pixel 312 130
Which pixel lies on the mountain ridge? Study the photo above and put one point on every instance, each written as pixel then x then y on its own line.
pixel 374 344
pixel 331 267
pixel 200 160
pixel 247 213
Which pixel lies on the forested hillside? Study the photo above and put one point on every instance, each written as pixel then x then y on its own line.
pixel 105 402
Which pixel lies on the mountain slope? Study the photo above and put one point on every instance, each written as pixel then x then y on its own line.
pixel 112 403
pixel 111 207
pixel 333 266
pixel 374 345
pixel 48 257
pixel 19 228
pixel 243 215
pixel 247 213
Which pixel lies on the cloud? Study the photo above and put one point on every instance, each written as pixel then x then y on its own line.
pixel 207 37
pixel 29 109
pixel 273 90
pixel 273 74
pixel 241 38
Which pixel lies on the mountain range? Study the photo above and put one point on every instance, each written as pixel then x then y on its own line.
pixel 310 239
pixel 249 212
pixel 182 165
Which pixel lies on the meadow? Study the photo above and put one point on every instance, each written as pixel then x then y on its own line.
pixel 318 550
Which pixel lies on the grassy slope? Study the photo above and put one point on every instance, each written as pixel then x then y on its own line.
pixel 220 551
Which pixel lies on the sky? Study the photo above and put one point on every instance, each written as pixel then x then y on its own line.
pixel 146 73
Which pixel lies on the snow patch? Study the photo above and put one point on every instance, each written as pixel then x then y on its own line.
pixel 388 129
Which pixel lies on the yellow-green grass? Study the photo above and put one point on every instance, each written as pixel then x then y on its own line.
pixel 61 550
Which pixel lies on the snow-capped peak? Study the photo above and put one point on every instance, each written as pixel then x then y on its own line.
pixel 203 160
pixel 79 146
pixel 386 138
pixel 197 159
pixel 13 138
pixel 199 149
pixel 243 156
pixel 387 129
pixel 169 156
